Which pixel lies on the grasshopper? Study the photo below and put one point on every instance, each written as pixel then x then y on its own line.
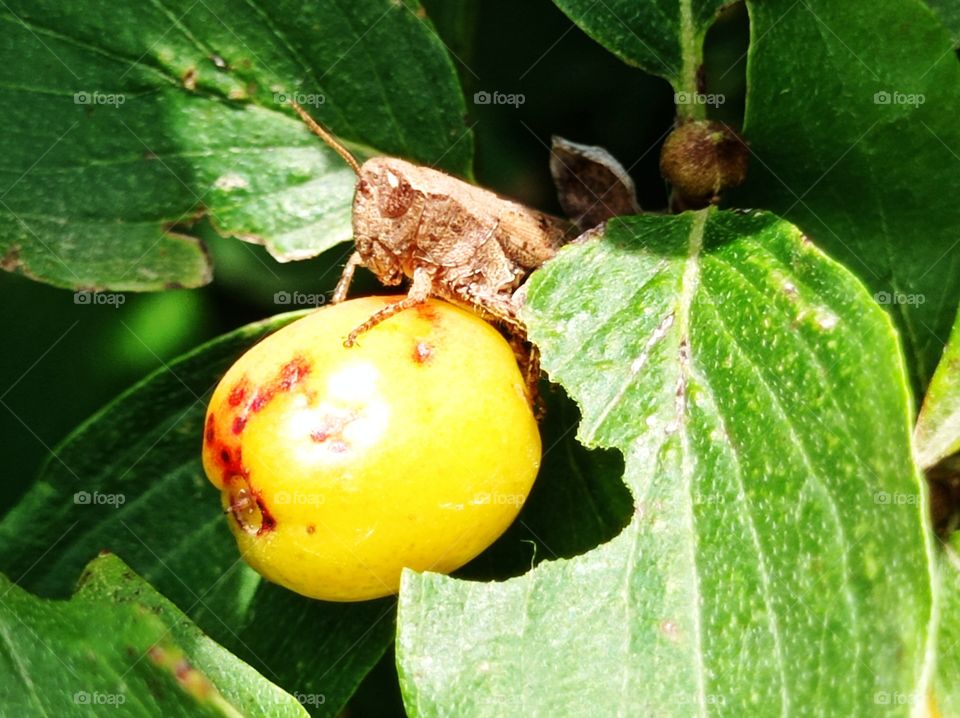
pixel 449 238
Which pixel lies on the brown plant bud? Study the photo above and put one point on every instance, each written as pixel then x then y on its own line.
pixel 701 159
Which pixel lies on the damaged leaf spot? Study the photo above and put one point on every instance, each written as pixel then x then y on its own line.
pixel 189 678
pixel 189 79
pixel 230 182
pixel 11 260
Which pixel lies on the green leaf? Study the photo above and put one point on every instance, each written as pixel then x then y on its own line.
pixel 455 23
pixel 107 580
pixel 949 13
pixel 777 504
pixel 938 427
pixel 125 123
pixel 130 481
pixel 946 684
pixel 851 121
pixel 94 654
pixel 662 37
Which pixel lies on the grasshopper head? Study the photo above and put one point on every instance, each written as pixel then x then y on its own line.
pixel 386 214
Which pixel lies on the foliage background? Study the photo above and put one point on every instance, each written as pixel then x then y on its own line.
pixel 577 90
pixel 71 359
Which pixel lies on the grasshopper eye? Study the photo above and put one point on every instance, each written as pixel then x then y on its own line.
pixel 395 195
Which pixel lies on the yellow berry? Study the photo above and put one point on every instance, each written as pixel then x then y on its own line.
pixel 338 467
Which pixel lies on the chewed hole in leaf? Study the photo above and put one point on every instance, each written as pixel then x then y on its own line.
pixel 579 501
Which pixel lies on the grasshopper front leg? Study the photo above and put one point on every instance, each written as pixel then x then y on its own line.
pixel 420 291
pixel 343 286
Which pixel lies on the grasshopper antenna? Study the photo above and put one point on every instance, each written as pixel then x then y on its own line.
pixel 332 141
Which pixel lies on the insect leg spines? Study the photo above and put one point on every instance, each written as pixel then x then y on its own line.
pixel 343 286
pixel 420 290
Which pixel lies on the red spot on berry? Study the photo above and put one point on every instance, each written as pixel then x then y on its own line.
pixel 246 504
pixel 238 423
pixel 289 376
pixel 238 393
pixel 267 522
pixel 231 465
pixel 311 528
pixel 425 311
pixel 293 371
pixel 422 352
pixel 330 431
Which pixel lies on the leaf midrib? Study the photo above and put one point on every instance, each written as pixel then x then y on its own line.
pixel 688 286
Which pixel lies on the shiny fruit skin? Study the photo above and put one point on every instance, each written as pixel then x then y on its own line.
pixel 338 467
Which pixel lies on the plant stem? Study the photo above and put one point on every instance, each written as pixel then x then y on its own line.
pixel 691 50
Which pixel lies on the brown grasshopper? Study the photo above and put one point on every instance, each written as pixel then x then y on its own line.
pixel 451 239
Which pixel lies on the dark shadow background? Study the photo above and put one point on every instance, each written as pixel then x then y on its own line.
pixel 62 361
